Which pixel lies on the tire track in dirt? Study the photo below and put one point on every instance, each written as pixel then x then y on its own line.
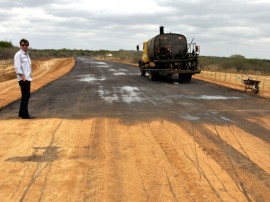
pixel 238 138
pixel 208 169
pixel 38 166
pixel 91 183
pixel 152 179
pixel 250 179
pixel 178 161
pixel 167 155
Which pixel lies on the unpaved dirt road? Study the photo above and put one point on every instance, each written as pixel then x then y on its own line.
pixel 104 133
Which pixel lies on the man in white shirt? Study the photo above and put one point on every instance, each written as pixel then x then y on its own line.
pixel 22 64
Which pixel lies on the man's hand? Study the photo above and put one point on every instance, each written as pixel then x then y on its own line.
pixel 23 77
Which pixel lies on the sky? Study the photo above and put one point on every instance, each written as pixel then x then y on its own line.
pixel 221 28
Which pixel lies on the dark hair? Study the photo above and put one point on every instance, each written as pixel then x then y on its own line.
pixel 24 41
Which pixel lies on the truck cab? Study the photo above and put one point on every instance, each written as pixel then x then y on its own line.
pixel 145 58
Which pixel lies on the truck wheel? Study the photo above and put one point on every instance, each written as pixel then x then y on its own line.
pixel 184 77
pixel 142 72
pixel 142 69
pixel 153 75
pixel 188 77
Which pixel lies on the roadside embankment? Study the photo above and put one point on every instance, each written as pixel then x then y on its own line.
pixel 44 72
pixel 235 80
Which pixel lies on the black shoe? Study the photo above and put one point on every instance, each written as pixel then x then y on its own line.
pixel 28 117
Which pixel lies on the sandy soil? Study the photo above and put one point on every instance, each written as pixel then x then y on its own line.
pixel 105 159
pixel 44 72
pixel 241 87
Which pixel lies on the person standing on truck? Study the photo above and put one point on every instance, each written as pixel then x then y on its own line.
pixel 22 64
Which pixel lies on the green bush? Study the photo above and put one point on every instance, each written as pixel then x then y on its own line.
pixel 5 44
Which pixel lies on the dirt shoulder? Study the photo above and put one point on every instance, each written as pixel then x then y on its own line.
pixel 264 94
pixel 44 72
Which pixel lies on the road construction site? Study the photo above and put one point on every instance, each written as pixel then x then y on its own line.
pixel 103 132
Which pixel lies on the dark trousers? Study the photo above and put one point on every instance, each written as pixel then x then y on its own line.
pixel 25 90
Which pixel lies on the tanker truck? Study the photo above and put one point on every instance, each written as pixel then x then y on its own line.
pixel 169 54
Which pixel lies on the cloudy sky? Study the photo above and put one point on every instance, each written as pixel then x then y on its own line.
pixel 221 28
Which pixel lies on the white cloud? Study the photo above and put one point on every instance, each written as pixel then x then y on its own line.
pixel 122 24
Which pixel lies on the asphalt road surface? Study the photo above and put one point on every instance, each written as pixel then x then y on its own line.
pixel 105 133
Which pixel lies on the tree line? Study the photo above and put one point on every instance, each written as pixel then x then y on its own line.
pixel 234 63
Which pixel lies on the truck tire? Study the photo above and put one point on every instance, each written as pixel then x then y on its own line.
pixel 185 77
pixel 153 75
pixel 142 72
pixel 141 65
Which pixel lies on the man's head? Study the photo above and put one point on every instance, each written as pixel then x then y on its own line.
pixel 24 44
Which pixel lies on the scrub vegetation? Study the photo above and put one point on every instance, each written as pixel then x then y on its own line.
pixel 234 63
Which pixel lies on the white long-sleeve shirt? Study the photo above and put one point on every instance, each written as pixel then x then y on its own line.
pixel 22 64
